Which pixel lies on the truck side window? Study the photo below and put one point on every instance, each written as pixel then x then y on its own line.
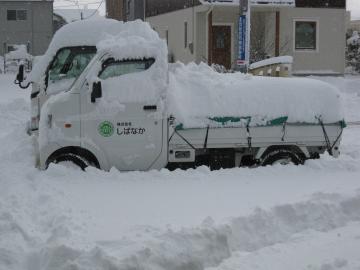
pixel 70 63
pixel 112 68
pixel 58 64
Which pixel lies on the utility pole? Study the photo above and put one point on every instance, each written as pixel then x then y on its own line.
pixel 244 35
pixel 144 6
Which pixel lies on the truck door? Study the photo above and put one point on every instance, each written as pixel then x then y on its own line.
pixel 126 126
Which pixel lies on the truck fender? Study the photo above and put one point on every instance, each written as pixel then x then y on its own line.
pixel 45 152
pixel 263 150
pixel 98 153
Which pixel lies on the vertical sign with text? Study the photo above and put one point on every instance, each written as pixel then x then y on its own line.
pixel 242 41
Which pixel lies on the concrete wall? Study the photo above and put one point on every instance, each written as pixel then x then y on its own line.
pixel 37 30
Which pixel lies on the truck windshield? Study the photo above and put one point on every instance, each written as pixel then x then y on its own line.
pixel 67 66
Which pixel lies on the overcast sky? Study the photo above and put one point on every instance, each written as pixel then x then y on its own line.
pixel 352 5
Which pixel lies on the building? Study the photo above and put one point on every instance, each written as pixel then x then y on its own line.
pixel 312 31
pixel 125 10
pixel 65 16
pixel 20 24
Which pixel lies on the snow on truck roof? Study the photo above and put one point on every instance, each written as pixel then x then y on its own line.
pixel 90 33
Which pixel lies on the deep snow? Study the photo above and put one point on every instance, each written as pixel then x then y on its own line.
pixel 305 217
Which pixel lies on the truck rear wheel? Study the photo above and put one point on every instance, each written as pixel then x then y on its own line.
pixel 283 157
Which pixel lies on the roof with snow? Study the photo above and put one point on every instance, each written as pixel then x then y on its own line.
pixel 72 15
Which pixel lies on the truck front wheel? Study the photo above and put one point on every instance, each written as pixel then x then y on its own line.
pixel 283 157
pixel 70 158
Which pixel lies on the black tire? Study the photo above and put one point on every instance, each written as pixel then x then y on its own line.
pixel 283 157
pixel 79 161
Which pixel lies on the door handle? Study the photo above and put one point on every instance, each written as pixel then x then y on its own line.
pixel 150 108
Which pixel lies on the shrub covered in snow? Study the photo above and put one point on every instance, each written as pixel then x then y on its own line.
pixel 353 52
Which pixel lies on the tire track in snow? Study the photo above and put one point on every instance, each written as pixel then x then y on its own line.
pixel 208 245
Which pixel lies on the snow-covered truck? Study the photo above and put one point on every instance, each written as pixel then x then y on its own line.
pixel 112 100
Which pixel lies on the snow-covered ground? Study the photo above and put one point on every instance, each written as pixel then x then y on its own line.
pixel 273 218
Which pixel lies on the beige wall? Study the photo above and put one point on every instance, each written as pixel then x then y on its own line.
pixel 330 54
pixel 173 22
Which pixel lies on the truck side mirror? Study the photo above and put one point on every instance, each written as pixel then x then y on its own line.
pixel 20 75
pixel 96 91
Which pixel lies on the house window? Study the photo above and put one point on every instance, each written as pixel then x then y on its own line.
pixel 167 36
pixel 11 15
pixel 11 48
pixel 185 34
pixel 220 40
pixel 128 7
pixel 305 35
pixel 16 15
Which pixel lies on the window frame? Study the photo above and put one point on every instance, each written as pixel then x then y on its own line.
pixel 7 14
pixel 317 40
pixel 17 14
pixel 185 34
pixel 71 48
pixel 111 61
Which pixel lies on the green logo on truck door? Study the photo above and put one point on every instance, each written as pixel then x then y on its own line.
pixel 106 129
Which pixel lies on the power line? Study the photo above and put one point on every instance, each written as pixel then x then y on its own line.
pixel 77 3
pixel 72 5
pixel 95 11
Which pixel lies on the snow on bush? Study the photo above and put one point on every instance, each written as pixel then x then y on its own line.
pixel 353 53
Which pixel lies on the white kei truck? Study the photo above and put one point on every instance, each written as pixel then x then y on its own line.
pixel 104 95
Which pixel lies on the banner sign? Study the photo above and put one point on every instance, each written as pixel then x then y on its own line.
pixel 242 40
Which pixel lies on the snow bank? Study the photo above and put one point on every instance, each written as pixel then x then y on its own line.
pixel 273 61
pixel 197 93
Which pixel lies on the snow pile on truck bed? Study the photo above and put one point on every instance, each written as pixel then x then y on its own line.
pixel 198 94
